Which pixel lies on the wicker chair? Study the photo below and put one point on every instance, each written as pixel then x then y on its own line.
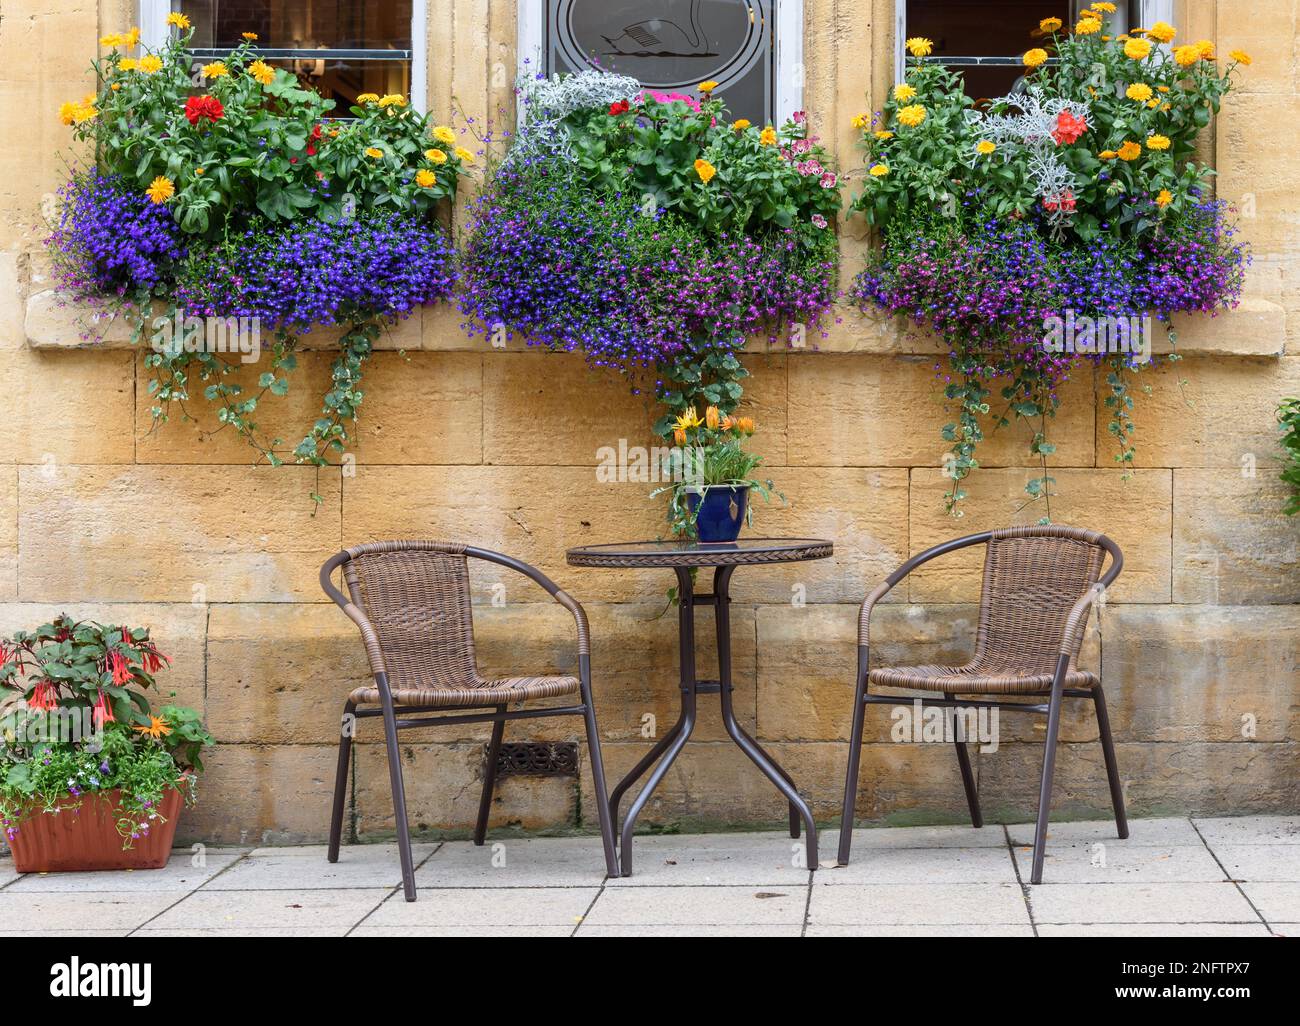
pixel 1039 587
pixel 411 601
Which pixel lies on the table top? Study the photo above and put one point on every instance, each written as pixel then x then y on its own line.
pixel 742 552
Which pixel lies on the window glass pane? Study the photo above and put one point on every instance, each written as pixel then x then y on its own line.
pixel 672 45
pixel 302 24
pixel 344 80
pixel 982 28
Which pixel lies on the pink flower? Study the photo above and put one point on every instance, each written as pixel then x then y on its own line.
pixel 799 117
pixel 829 180
pixel 818 221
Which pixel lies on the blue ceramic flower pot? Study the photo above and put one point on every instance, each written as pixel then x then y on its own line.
pixel 721 513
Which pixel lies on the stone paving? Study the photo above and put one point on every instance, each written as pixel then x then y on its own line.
pixel 1172 877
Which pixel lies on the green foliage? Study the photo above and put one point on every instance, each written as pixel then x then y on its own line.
pixel 1288 416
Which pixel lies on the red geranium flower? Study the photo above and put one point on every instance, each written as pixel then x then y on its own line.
pixel 618 107
pixel 199 107
pixel 1068 128
pixel 1065 202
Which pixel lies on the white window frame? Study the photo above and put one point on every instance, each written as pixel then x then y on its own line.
pixel 789 69
pixel 1149 12
pixel 153 34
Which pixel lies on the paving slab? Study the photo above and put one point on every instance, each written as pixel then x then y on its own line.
pixel 923 930
pixel 1120 862
pixel 1277 902
pixel 746 860
pixel 462 931
pixel 700 906
pixel 1256 929
pixel 1250 830
pixel 1268 863
pixel 273 909
pixel 82 910
pixel 907 904
pixel 486 909
pixel 1140 903
pixel 1161 832
pixel 248 931
pixel 885 865
pixel 539 862
pixel 988 836
pixel 180 874
pixel 368 865
pixel 681 930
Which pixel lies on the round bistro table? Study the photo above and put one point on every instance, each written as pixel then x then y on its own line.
pixel 684 557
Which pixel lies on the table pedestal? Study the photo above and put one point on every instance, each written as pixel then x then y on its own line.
pixel 667 749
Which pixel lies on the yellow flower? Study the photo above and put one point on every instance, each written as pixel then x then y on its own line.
pixel 215 70
pixel 1241 57
pixel 435 156
pixel 156 729
pixel 688 420
pixel 127 64
pixel 1162 32
pixel 392 100
pixel 1205 48
pixel 1108 154
pixel 912 116
pixel 1109 8
pixel 374 152
pixel 465 156
pixel 112 41
pixel 1130 151
pixel 1158 142
pixel 250 36
pixel 1165 198
pixel 150 63
pixel 1165 108
pixel 444 135
pixel 879 171
pixel 160 190
pixel 72 113
pixel 365 98
pixel 904 92
pixel 883 134
pixel 919 46
pixel 1138 49
pixel 1049 24
pixel 132 36
pixel 116 86
pixel 708 87
pixel 984 147
pixel 768 136
pixel 705 170
pixel 740 124
pixel 179 20
pixel 860 121
pixel 711 418
pixel 67 112
pixel 1186 56
pixel 425 178
pixel 262 72
pixel 1152 104
pixel 1087 26
pixel 1139 91
pixel 198 171
pixel 1162 89
pixel 1035 57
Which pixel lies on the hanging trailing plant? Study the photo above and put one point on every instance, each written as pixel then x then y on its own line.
pixel 245 213
pixel 653 233
pixel 1042 231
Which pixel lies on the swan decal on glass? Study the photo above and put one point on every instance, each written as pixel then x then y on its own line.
pixel 678 33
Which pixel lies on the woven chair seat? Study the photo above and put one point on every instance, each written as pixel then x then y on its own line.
pixel 503 691
pixel 970 680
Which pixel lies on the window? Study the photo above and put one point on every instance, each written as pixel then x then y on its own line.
pixel 340 48
pixel 752 48
pixel 985 39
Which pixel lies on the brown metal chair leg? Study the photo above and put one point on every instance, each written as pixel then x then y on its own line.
pixel 489 778
pixel 1049 765
pixel 346 729
pixel 399 792
pixel 968 780
pixel 855 755
pixel 1112 766
pixel 603 814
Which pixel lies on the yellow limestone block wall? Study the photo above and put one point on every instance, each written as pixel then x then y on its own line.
pixel 102 516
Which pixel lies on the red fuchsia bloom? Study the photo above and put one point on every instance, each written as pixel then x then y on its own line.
pixel 200 107
pixel 1068 128
pixel 103 712
pixel 121 667
pixel 150 656
pixel 43 697
pixel 619 107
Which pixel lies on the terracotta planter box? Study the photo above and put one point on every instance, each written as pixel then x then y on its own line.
pixel 83 837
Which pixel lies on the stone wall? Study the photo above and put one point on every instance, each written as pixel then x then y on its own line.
pixel 102 516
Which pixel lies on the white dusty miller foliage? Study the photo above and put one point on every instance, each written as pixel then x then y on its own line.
pixel 548 101
pixel 1027 129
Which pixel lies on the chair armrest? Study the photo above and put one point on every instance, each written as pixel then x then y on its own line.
pixel 1077 622
pixel 554 590
pixel 864 614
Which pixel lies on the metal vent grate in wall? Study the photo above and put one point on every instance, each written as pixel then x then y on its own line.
pixel 538 759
